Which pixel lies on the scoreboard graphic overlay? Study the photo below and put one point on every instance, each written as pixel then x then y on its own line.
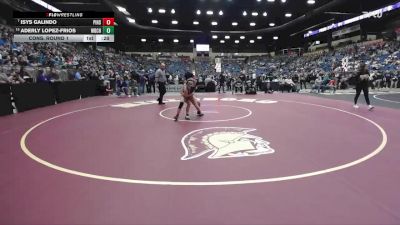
pixel 64 27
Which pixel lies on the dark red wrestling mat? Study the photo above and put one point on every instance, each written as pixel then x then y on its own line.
pixel 265 159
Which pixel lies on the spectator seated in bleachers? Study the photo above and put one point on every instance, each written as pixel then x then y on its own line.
pixel 20 63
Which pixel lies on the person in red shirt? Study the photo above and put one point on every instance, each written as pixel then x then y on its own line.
pixel 332 85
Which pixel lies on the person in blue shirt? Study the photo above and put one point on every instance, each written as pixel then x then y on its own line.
pixel 42 77
pixel 77 76
pixel 122 86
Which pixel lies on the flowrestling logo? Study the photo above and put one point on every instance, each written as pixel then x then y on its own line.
pixel 224 142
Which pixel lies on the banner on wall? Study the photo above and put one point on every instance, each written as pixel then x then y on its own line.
pixel 218 65
pixel 373 14
pixel 347 30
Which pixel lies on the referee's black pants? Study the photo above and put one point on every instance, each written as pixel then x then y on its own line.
pixel 162 90
pixel 362 86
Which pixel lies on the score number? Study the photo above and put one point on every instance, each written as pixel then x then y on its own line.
pixel 108 30
pixel 108 25
pixel 108 21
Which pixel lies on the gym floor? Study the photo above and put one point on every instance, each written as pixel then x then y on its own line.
pixel 262 159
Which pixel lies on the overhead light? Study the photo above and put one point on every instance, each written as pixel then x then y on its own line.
pixel 259 37
pixel 214 23
pixel 214 37
pixel 123 10
pixel 149 10
pixel 174 22
pixel 254 13
pixel 271 24
pixel 227 37
pixel 283 1
pixel 265 14
pixel 244 13
pixel 176 41
pixel 258 0
pixel 221 13
pixel 288 15
pixel 130 20
pixel 234 24
pixel 154 21
pixel 196 22
pixel 47 6
pixel 143 40
pixel 237 41
pixel 270 0
pixel 191 41
pixel 198 12
pixel 252 24
pixel 311 2
pixel 252 41
pixel 209 12
pixel 276 37
pixel 161 11
pixel 242 37
pixel 222 41
pixel 160 40
pixel 172 11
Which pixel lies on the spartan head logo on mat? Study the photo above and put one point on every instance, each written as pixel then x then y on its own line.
pixel 224 142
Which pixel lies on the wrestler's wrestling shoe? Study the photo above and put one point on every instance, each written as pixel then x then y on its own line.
pixel 200 114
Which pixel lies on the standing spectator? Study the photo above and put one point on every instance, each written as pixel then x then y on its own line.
pixel 318 84
pixel 229 83
pixel 142 83
pixel 362 78
pixel 148 88
pixel 259 83
pixel 395 80
pixel 122 86
pixel 105 77
pixel 303 80
pixel 221 83
pixel 152 83
pixel 133 84
pixel 161 80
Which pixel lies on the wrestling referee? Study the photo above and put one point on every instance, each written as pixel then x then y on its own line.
pixel 161 80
